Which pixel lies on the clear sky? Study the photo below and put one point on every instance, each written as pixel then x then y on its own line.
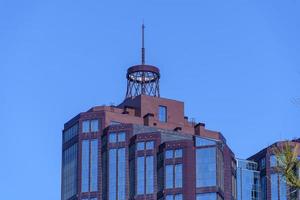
pixel 235 64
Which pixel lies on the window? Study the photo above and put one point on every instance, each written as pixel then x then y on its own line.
pixel 206 167
pixel 203 142
pixel 274 186
pixel 94 166
pixel 178 153
pixel 206 196
pixel 70 133
pixel 89 170
pixel 117 169
pixel 170 154
pixel 69 169
pixel 174 197
pixel 94 125
pixel 140 175
pixel 149 145
pixel 90 126
pixel 86 126
pixel 149 175
pixel 117 137
pixel 85 166
pixel 162 114
pixel 273 161
pixel 121 137
pixel 169 177
pixel 145 175
pixel 173 180
pixel 112 138
pixel 262 163
pixel 178 176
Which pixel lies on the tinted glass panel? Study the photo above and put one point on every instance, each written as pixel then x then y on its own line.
pixel 140 175
pixel 206 167
pixel 204 142
pixel 85 166
pixel 273 161
pixel 178 153
pixel 162 114
pixel 178 197
pixel 112 138
pixel 121 137
pixel 206 196
pixel 149 145
pixel 274 186
pixel 178 176
pixel 149 175
pixel 94 166
pixel 169 176
pixel 140 146
pixel 86 126
pixel 121 174
pixel 112 174
pixel 94 125
pixel 169 154
pixel 69 169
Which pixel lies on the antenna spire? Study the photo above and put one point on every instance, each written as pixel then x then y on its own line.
pixel 143 47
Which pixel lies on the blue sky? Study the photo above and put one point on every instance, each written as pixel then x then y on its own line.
pixel 235 64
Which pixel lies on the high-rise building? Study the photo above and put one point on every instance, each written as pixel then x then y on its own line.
pixel 248 180
pixel 272 184
pixel 144 148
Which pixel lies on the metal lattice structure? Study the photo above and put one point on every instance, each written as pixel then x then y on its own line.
pixel 142 79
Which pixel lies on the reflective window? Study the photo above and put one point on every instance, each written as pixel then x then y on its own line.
pixel 248 176
pixel 178 153
pixel 162 114
pixel 94 166
pixel 86 126
pixel 178 176
pixel 178 197
pixel 140 175
pixel 169 154
pixel 117 174
pixel 69 175
pixel 94 125
pixel 263 188
pixel 169 177
pixel 70 133
pixel 206 167
pixel 282 188
pixel 149 145
pixel 121 174
pixel 174 197
pixel 169 197
pixel 273 161
pixel 145 175
pixel 203 142
pixel 274 186
pixel 262 163
pixel 149 175
pixel 89 169
pixel 121 137
pixel 112 138
pixel 206 196
pixel 140 146
pixel 112 186
pixel 85 166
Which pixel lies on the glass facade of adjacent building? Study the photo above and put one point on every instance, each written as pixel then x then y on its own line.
pixel 248 180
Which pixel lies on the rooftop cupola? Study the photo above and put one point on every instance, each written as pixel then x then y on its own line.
pixel 142 79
